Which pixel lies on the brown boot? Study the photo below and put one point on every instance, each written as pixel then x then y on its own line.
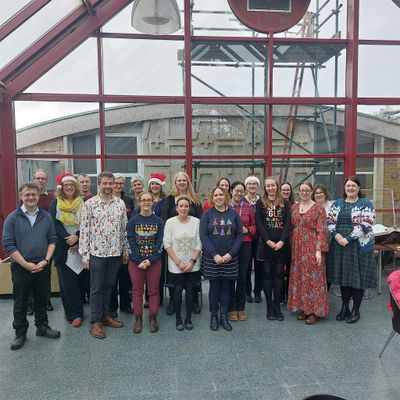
pixel 112 322
pixel 137 328
pixel 242 315
pixel 232 315
pixel 97 331
pixel 153 324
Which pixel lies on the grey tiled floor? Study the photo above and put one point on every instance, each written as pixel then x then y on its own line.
pixel 259 359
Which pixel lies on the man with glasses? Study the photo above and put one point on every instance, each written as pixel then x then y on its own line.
pixel 103 246
pixel 40 178
pixel 29 237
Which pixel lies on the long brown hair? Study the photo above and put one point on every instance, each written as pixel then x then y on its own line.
pixel 278 201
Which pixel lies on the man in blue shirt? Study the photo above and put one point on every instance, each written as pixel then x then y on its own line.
pixel 29 238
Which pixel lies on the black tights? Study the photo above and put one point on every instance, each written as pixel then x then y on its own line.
pixel 348 292
pixel 272 278
pixel 188 298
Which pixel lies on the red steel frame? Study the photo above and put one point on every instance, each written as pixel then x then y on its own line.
pixel 87 21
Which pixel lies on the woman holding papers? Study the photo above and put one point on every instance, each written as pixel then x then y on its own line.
pixel 66 210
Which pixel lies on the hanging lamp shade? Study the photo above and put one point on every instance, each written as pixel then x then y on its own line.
pixel 156 16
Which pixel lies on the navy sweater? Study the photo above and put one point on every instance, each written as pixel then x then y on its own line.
pixel 221 232
pixel 145 237
pixel 31 241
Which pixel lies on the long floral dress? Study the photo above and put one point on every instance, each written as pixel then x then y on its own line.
pixel 307 286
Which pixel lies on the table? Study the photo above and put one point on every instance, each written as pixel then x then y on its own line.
pixel 381 248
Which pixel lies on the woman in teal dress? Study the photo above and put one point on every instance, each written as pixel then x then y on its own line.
pixel 350 261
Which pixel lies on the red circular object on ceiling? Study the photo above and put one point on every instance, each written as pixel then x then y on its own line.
pixel 269 15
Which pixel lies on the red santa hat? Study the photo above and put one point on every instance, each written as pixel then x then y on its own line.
pixel 157 178
pixel 64 177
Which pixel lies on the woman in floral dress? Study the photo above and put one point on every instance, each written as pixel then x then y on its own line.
pixel 307 287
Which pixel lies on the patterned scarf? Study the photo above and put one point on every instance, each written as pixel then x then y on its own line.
pixel 69 212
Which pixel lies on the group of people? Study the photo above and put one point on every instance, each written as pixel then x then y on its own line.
pixel 114 243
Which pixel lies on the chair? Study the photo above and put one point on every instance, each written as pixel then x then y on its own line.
pixel 395 322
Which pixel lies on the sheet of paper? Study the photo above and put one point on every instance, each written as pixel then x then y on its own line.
pixel 74 261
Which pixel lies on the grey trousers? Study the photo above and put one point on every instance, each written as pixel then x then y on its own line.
pixel 103 273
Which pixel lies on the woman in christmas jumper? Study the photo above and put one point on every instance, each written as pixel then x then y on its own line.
pixel 221 236
pixel 145 234
pixel 273 227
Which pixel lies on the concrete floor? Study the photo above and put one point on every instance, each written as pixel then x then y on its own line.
pixel 259 359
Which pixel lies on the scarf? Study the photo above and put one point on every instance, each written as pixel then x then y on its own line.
pixel 68 212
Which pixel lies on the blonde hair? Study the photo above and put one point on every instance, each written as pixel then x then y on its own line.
pixel 278 201
pixel 211 196
pixel 191 194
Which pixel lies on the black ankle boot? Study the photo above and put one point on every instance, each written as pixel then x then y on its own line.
pixel 223 320
pixel 214 322
pixel 344 313
pixel 353 317
pixel 278 313
pixel 271 312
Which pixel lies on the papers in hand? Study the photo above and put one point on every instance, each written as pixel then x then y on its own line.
pixel 381 230
pixel 74 261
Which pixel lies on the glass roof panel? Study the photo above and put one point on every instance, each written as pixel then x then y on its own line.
pixel 10 7
pixel 35 27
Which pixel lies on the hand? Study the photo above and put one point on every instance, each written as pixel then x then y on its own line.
pixel 227 257
pixel 271 244
pixel 31 267
pixel 344 242
pixel 187 267
pixel 40 265
pixel 245 230
pixel 71 240
pixel 279 245
pixel 218 259
pixel 318 257
pixel 85 264
pixel 338 237
pixel 73 249
pixel 125 259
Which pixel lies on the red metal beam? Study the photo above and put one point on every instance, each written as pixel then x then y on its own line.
pixel 114 35
pixel 353 12
pixel 73 38
pixel 188 86
pixel 8 174
pixel 23 15
pixel 89 7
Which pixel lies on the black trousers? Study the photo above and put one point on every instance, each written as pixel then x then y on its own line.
pixel 219 295
pixel 122 286
pixel 23 282
pixel 258 285
pixel 237 296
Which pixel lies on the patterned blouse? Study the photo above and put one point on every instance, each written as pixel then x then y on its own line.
pixel 103 228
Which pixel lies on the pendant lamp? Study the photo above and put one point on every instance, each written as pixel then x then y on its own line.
pixel 156 16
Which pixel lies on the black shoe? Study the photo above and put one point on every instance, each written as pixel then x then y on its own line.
pixel 223 320
pixel 18 342
pixel 278 313
pixel 353 317
pixel 170 309
pixel 188 324
pixel 249 298
pixel 214 322
pixel 49 306
pixel 30 309
pixel 196 308
pixel 46 331
pixel 179 326
pixel 257 298
pixel 127 310
pixel 344 314
pixel 271 313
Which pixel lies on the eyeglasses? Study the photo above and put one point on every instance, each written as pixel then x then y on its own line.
pixel 119 183
pixel 305 191
pixel 146 201
pixel 318 193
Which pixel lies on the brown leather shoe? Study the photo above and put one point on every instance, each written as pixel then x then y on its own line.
pixel 137 328
pixel 311 319
pixel 97 331
pixel 233 315
pixel 242 315
pixel 112 322
pixel 153 325
pixel 302 316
